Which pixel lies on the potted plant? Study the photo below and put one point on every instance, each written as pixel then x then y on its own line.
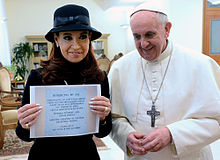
pixel 12 70
pixel 22 52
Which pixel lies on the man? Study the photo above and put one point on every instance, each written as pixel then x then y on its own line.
pixel 165 98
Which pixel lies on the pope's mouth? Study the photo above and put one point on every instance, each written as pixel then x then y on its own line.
pixel 147 49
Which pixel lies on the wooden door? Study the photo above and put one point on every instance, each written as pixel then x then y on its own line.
pixel 211 29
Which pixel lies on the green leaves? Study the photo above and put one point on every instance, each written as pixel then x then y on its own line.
pixel 22 52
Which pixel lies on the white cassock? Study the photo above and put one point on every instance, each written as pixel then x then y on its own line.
pixel 189 102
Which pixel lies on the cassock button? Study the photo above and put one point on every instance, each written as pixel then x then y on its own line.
pixel 154 90
pixel 175 156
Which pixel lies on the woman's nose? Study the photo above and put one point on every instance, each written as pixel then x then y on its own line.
pixel 75 44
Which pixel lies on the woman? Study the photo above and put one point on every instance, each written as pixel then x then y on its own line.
pixel 71 61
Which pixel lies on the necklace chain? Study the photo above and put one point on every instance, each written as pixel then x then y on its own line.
pixel 161 84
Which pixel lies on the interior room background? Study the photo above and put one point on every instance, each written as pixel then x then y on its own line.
pixel 31 17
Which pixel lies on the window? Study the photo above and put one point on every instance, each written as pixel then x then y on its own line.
pixel 211 32
pixel 5 57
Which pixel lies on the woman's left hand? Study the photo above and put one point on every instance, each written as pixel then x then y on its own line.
pixel 100 105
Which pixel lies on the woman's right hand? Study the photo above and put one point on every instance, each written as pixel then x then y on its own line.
pixel 27 114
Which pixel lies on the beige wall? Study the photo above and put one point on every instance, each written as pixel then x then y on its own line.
pixel 34 17
pixel 31 17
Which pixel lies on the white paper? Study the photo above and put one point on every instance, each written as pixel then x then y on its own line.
pixel 65 111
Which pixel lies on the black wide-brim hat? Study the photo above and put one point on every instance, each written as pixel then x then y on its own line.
pixel 71 18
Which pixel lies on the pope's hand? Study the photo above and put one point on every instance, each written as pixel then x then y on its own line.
pixel 157 139
pixel 27 114
pixel 134 142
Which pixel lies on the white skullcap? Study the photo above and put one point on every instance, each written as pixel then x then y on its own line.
pixel 151 5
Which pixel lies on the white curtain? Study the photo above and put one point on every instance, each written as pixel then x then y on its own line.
pixel 5 57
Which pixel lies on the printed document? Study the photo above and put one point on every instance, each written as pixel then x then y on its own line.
pixel 65 110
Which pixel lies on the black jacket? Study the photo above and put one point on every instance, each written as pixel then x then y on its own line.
pixel 62 147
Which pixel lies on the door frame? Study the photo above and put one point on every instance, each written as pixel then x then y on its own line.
pixel 208 14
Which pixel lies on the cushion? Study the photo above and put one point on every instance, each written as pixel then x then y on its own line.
pixel 9 117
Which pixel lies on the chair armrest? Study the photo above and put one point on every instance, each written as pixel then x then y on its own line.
pixel 17 89
pixel 11 92
pixel 10 99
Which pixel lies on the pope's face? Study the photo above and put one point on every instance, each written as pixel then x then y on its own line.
pixel 150 34
pixel 74 45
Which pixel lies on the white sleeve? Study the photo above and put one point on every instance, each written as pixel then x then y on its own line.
pixel 120 131
pixel 195 133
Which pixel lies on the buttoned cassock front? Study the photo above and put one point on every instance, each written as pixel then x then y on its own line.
pixel 189 102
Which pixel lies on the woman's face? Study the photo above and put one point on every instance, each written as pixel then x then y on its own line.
pixel 74 45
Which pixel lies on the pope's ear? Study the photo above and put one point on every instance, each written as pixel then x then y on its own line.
pixel 167 28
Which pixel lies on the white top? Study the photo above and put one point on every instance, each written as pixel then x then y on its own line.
pixel 189 101
pixel 152 5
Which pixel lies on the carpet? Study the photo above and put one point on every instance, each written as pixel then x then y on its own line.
pixel 14 146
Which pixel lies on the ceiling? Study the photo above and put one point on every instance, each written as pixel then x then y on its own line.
pixel 106 4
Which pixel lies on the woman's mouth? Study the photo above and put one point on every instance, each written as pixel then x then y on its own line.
pixel 74 53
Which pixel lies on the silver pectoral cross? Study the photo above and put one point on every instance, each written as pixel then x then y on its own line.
pixel 153 113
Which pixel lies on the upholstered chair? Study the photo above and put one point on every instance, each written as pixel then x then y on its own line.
pixel 8 120
pixel 103 63
pixel 8 99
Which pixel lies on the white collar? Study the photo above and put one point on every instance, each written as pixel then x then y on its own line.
pixel 164 54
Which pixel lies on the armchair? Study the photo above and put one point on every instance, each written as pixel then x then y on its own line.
pixel 8 120
pixel 116 57
pixel 103 63
pixel 8 99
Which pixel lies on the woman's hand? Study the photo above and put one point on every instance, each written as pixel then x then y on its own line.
pixel 100 105
pixel 27 114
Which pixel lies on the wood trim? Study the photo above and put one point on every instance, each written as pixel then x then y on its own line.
pixel 208 15
pixel 204 27
pixel 36 38
pixel 207 33
pixel 104 36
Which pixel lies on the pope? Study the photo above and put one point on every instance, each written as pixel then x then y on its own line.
pixel 165 98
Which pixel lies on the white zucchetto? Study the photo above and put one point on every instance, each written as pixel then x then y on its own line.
pixel 151 5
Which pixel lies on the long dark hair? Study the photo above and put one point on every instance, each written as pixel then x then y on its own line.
pixel 57 69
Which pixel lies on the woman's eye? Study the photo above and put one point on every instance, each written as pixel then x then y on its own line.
pixel 83 36
pixel 67 38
